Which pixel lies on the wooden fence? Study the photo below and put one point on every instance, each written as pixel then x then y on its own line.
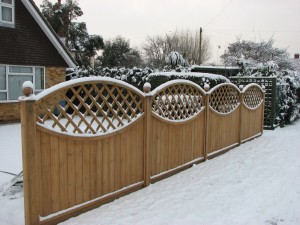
pixel 91 140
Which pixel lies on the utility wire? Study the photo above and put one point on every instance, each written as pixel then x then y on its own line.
pixel 219 13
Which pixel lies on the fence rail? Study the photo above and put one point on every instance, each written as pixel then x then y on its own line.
pixel 88 141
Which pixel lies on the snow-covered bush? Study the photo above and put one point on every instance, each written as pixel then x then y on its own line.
pixel 288 83
pixel 175 59
pixel 158 78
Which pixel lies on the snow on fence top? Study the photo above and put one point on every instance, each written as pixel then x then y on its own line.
pixel 99 105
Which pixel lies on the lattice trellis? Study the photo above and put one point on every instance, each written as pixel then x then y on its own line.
pixel 89 108
pixel 178 102
pixel 224 99
pixel 253 97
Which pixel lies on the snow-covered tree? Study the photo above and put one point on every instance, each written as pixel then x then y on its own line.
pixel 61 17
pixel 256 52
pixel 156 48
pixel 175 59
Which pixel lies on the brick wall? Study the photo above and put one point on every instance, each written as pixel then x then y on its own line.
pixel 55 75
pixel 11 111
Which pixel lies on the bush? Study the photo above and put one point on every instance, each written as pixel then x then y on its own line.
pixel 158 78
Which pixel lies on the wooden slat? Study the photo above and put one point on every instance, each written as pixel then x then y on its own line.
pixel 111 158
pixel 99 162
pixel 46 208
pixel 63 172
pixel 117 150
pixel 71 173
pixel 86 171
pixel 78 172
pixel 93 170
pixel 105 164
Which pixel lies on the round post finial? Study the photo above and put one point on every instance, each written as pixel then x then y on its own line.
pixel 206 87
pixel 241 87
pixel 147 87
pixel 27 88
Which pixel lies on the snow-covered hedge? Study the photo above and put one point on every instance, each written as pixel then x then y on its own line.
pixel 158 78
pixel 138 76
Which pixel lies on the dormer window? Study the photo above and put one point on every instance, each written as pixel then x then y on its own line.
pixel 7 13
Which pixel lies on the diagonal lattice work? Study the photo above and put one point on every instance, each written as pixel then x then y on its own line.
pixel 224 99
pixel 178 102
pixel 253 97
pixel 89 108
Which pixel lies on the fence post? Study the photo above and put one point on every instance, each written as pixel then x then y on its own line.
pixel 28 121
pixel 207 136
pixel 148 134
pixel 241 87
pixel 263 109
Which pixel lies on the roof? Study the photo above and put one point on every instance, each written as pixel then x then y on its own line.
pixel 49 32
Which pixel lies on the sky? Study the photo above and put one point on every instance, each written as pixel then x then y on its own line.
pixel 222 21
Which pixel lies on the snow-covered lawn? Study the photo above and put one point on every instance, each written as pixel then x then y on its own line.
pixel 255 183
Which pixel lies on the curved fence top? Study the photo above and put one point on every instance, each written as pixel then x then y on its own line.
pixel 89 106
pixel 253 96
pixel 177 100
pixel 225 98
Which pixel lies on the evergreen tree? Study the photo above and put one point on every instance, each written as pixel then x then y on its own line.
pixel 117 52
pixel 75 35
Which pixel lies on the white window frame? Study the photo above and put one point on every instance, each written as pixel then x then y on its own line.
pixel 6 23
pixel 20 74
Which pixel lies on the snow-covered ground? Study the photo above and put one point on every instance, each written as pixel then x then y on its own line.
pixel 255 183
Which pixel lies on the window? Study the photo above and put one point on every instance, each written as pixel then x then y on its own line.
pixel 13 77
pixel 7 13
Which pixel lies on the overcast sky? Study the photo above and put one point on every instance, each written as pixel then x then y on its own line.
pixel 222 20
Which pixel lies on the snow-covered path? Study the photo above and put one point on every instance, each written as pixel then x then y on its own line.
pixel 255 183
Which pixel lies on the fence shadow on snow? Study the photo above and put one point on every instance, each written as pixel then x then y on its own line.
pixel 91 140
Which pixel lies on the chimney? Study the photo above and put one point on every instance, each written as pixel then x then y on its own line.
pixel 296 56
pixel 59 2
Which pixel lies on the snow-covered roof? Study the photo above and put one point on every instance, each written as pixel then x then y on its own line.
pixel 49 32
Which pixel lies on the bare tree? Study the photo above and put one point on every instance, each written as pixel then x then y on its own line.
pixel 156 48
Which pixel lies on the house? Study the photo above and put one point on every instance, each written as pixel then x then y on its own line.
pixel 29 50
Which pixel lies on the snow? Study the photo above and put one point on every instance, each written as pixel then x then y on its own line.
pixel 190 74
pixel 255 183
pixel 85 79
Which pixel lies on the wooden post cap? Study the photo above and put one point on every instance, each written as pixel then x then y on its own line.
pixel 147 87
pixel 27 88
pixel 206 87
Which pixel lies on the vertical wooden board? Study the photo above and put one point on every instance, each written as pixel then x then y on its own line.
pixel 159 162
pixel 111 164
pixel 154 147
pixel 133 149
pixel 78 172
pixel 123 160
pixel 55 172
pixel 164 148
pixel 117 170
pixel 177 147
pixel 63 176
pixel 167 157
pixel 71 173
pixel 188 142
pixel 99 172
pixel 93 170
pixel 128 161
pixel 140 152
pixel 39 168
pixel 171 148
pixel 105 166
pixel 86 170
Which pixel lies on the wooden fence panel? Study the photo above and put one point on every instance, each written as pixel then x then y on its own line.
pixel 178 126
pixel 96 139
